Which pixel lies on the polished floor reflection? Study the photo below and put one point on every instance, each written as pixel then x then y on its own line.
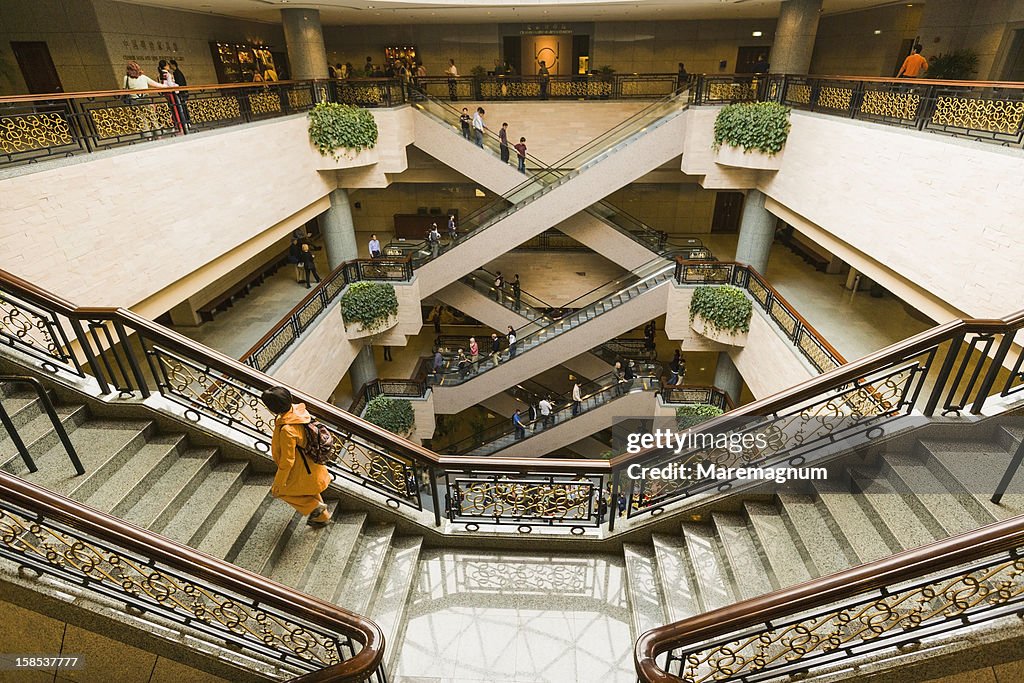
pixel 517 618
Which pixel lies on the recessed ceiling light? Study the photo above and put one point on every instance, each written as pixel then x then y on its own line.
pixel 757 34
pixel 878 32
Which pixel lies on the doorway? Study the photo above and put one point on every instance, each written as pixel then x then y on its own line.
pixel 36 66
pixel 728 209
pixel 748 59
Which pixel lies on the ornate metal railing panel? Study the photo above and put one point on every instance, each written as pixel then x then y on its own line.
pixel 206 598
pixel 134 357
pixel 395 388
pixel 688 394
pixel 941 590
pixel 576 87
pixel 818 352
pixel 273 345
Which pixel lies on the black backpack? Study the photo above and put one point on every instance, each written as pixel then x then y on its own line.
pixel 321 446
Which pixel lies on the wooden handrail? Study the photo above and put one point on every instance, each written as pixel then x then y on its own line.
pixel 86 94
pixel 174 555
pixel 1016 85
pixel 835 588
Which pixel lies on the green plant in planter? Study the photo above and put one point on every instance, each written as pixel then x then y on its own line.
pixel 754 126
pixel 958 65
pixel 334 127
pixel 478 71
pixel 393 414
pixel 369 303
pixel 692 415
pixel 605 70
pixel 722 307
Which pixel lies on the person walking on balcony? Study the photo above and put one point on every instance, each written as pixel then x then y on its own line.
pixel 308 264
pixel 521 155
pixel 495 348
pixel 434 239
pixel 474 351
pixel 577 398
pixel 517 292
pixel 517 422
pixel 478 127
pixel 511 336
pixel 452 73
pixel 682 77
pixel 374 246
pixel 298 481
pixel 544 406
pixel 545 79
pixel 499 286
pixel 503 143
pixel 464 120
pixel 914 66
pixel 182 82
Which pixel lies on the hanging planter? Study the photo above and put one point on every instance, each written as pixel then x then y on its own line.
pixel 751 135
pixel 721 314
pixel 369 308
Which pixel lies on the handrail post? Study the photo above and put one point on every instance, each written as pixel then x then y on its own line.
pixel 993 371
pixel 432 474
pixel 1011 470
pixel 613 504
pixel 90 357
pixel 943 376
pixel 12 431
pixel 132 362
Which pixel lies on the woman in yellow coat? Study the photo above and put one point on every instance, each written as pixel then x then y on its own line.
pixel 299 481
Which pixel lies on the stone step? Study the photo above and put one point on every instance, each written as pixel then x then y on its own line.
pixel 643 589
pixel 365 569
pixel 102 445
pixel 1009 434
pixel 978 475
pixel 750 571
pixel 389 603
pixel 807 524
pixel 304 546
pixel 849 523
pixel 675 575
pixel 133 479
pixel 265 539
pixel 947 513
pixel 228 534
pixel 171 489
pixel 39 436
pixel 22 405
pixel 200 511
pixel 776 545
pixel 711 571
pixel 885 507
pixel 324 574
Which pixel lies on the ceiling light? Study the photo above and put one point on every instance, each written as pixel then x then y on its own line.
pixel 757 34
pixel 878 32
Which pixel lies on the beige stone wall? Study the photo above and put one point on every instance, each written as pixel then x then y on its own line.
pixel 985 26
pixel 680 209
pixel 768 362
pixel 379 206
pixel 848 45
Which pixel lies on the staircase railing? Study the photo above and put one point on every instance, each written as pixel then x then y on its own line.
pixel 51 413
pixel 952 368
pixel 939 589
pixel 595 86
pixel 811 343
pixel 393 388
pixel 205 597
pixel 265 352
pixel 986 111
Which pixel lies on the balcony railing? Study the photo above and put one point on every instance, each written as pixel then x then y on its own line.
pixel 988 111
pixel 812 344
pixel 961 363
pixel 943 589
pixel 206 598
pixel 576 87
pixel 392 388
pixel 287 331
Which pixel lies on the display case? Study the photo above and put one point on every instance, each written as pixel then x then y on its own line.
pixel 236 63
pixel 403 52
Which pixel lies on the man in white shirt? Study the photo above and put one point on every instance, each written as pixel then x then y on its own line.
pixel 478 126
pixel 374 247
pixel 545 412
pixel 434 239
pixel 577 398
pixel 453 73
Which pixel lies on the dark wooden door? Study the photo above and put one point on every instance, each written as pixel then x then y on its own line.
pixel 36 66
pixel 728 209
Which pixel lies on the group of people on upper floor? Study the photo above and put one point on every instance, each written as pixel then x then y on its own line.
pixel 405 68
pixel 169 75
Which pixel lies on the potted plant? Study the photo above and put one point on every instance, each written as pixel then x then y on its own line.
pixel 958 65
pixel 693 414
pixel 368 308
pixel 341 130
pixel 393 414
pixel 721 313
pixel 751 135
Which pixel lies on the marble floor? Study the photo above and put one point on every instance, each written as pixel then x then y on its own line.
pixel 517 618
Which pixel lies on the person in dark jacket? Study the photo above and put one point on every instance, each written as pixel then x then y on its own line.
pixel 179 78
pixel 308 264
pixel 517 422
pixel 495 348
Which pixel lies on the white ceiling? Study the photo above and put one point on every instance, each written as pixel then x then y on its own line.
pixel 359 12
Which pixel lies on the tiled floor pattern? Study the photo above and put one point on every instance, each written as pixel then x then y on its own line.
pixel 517 618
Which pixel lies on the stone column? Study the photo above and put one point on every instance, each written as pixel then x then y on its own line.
pixel 363 369
pixel 304 37
pixel 727 377
pixel 794 36
pixel 757 232
pixel 338 230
